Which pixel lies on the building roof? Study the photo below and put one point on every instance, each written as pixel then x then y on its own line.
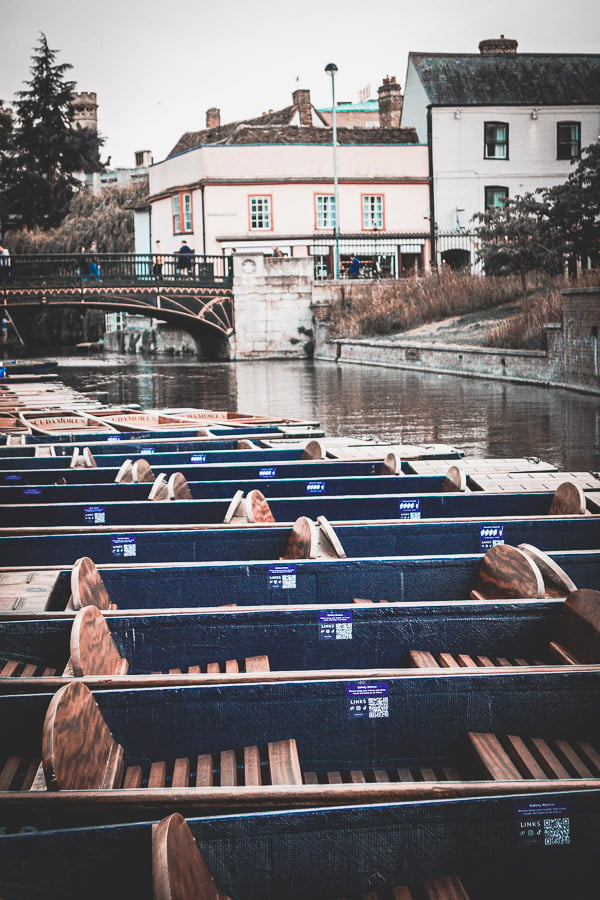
pixel 493 79
pixel 274 128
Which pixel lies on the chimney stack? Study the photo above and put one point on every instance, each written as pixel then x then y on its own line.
pixel 213 117
pixel 390 103
pixel 498 45
pixel 301 99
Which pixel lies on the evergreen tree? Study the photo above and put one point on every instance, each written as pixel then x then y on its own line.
pixel 46 148
pixel 574 208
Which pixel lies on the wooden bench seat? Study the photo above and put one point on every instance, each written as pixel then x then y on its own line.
pixel 513 758
pixel 17 773
pixel 578 641
pixel 94 652
pixel 13 668
pixel 79 752
pixel 134 471
pixel 383 776
pixel 180 872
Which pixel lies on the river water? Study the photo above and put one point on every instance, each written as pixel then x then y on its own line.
pixel 480 417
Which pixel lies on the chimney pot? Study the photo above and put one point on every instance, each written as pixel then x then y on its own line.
pixel 390 103
pixel 498 45
pixel 301 100
pixel 213 117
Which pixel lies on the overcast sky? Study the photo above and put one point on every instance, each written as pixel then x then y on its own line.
pixel 156 67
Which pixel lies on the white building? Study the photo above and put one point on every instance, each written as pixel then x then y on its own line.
pixel 267 183
pixel 499 124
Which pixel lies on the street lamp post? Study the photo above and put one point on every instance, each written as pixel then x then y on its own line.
pixel 331 69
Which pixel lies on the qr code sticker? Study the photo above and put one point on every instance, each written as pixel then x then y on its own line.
pixel 378 708
pixel 129 550
pixel 288 581
pixel 556 831
pixel 343 631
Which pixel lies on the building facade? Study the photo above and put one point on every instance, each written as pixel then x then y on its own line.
pixel 498 124
pixel 267 184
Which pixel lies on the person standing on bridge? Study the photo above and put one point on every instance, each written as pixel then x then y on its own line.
pixel 94 271
pixel 158 261
pixel 4 264
pixel 184 259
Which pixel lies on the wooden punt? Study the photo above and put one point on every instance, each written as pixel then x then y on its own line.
pixel 256 508
pixel 130 486
pixel 480 848
pixel 286 580
pixel 262 644
pixel 65 422
pixel 134 755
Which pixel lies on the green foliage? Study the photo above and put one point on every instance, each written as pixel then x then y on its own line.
pixel 106 218
pixel 44 149
pixel 541 231
pixel 575 207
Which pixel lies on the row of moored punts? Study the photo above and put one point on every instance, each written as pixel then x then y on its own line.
pixel 242 658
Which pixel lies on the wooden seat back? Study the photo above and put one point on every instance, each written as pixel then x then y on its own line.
pixel 454 481
pixel 310 540
pixel 142 472
pixel 391 465
pixel 78 749
pixel 556 581
pixel 87 587
pixel 507 573
pixel 314 450
pixel 93 650
pixel 568 500
pixel 159 489
pixel 125 473
pixel 178 488
pixel 257 508
pixel 179 871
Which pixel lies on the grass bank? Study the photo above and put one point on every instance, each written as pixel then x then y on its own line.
pixel 391 307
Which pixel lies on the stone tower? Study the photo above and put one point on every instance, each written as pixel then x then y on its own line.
pixel 85 110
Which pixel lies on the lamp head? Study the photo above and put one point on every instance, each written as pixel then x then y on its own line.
pixel 331 69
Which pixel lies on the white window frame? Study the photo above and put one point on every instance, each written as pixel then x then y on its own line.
pixel 325 212
pixel 372 212
pixel 260 212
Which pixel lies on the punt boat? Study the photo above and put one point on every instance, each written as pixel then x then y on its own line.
pixel 298 642
pixel 138 754
pixel 485 848
pixel 503 572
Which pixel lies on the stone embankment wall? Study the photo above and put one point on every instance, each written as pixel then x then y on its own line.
pixel 572 359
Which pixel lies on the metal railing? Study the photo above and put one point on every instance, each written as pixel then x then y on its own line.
pixel 122 269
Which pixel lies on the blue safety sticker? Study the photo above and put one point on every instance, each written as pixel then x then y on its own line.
pixel 123 546
pixel 13 477
pixel 410 508
pixel 268 472
pixel 367 700
pixel 282 576
pixel 94 515
pixel 114 437
pixel 334 625
pixel 32 492
pixel 315 487
pixel 147 450
pixel 490 535
pixel 543 823
pixel 198 458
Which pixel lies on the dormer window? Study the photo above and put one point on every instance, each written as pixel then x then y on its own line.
pixel 495 138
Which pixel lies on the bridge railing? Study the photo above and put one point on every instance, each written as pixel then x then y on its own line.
pixel 69 269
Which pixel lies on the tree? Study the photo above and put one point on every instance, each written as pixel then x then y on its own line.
pixel 574 207
pixel 45 148
pixel 517 238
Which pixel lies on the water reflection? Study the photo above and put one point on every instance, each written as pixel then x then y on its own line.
pixel 478 416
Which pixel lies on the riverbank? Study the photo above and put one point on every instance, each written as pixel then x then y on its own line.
pixel 455 346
